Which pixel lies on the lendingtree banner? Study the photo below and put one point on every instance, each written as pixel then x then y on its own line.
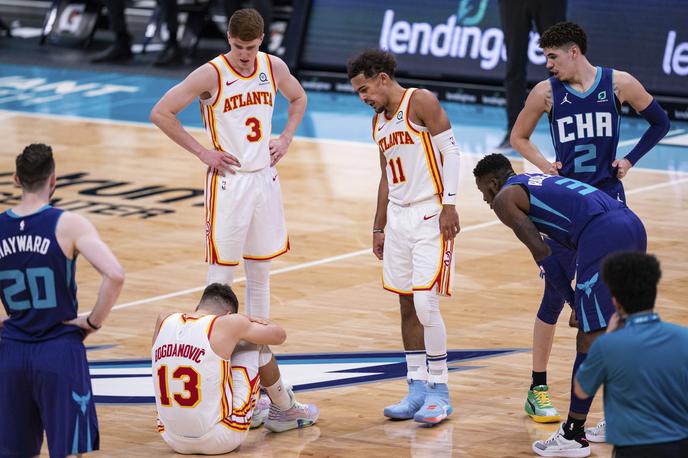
pixel 461 40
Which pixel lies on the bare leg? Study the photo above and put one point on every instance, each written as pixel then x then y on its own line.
pixel 412 332
pixel 543 337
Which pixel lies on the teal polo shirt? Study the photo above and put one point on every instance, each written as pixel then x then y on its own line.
pixel 644 369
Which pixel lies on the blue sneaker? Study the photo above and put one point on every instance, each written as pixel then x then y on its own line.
pixel 408 406
pixel 436 406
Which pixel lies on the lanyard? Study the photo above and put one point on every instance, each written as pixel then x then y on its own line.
pixel 643 318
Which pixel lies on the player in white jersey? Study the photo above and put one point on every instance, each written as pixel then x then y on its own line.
pixel 244 216
pixel 207 367
pixel 419 160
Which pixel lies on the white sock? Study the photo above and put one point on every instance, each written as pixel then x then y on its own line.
pixel 416 365
pixel 437 369
pixel 279 395
pixel 257 288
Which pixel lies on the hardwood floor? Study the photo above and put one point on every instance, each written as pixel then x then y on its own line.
pixel 327 302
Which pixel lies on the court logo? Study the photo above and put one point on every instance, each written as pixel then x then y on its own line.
pixel 602 96
pixel 130 381
pixel 566 99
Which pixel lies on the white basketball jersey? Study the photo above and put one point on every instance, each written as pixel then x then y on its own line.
pixel 195 389
pixel 238 115
pixel 414 163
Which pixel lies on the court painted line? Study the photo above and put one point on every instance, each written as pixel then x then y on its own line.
pixel 350 143
pixel 353 254
pixel 301 266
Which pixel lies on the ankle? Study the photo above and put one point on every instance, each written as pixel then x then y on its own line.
pixel 574 428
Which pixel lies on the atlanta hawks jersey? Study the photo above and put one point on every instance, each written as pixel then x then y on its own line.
pixel 195 389
pixel 414 163
pixel 238 115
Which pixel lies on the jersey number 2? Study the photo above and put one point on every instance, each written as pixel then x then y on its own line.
pixel 256 133
pixel 192 381
pixel 578 162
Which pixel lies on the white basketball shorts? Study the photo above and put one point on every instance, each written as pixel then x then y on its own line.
pixel 416 257
pixel 244 217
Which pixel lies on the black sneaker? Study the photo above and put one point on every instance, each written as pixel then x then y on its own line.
pixel 506 143
pixel 171 55
pixel 115 53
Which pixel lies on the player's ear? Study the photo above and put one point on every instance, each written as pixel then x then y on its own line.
pixel 16 180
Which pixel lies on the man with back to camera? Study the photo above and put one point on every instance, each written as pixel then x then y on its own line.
pixel 642 362
pixel 45 383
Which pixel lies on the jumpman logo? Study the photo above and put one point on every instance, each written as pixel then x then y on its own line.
pixel 587 286
pixel 566 99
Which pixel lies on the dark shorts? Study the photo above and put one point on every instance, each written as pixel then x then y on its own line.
pixel 46 386
pixel 678 449
pixel 619 230
pixel 552 303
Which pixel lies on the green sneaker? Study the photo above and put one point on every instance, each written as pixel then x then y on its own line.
pixel 539 406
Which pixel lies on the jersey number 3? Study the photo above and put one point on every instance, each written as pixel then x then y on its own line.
pixel 192 381
pixel 256 133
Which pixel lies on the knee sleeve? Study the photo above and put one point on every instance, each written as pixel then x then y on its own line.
pixel 427 304
pixel 220 274
pixel 257 288
pixel 264 355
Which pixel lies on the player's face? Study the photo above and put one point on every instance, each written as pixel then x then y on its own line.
pixel 560 62
pixel 371 91
pixel 489 186
pixel 244 52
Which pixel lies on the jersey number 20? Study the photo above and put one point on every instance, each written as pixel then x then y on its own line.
pixel 35 276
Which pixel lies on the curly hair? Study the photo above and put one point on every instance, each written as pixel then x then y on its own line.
pixel 371 62
pixel 563 34
pixel 493 164
pixel 35 165
pixel 632 278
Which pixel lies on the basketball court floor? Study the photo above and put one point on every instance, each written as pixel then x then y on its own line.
pixel 343 350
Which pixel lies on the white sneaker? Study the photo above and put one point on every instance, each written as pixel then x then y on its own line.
pixel 260 412
pixel 297 416
pixel 597 433
pixel 558 445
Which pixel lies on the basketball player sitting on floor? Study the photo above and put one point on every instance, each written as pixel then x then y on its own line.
pixel 207 368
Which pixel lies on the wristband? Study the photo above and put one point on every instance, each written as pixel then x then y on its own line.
pixel 93 326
